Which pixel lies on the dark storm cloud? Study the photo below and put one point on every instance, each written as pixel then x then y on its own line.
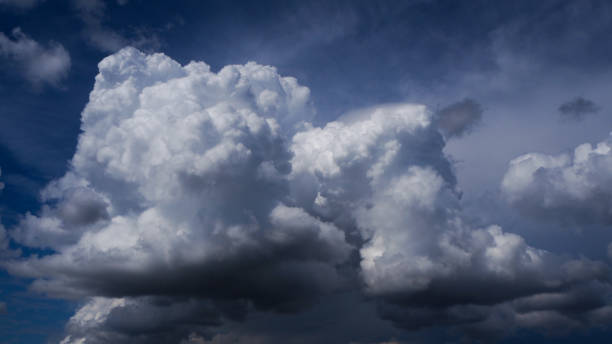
pixel 577 109
pixel 149 319
pixel 459 118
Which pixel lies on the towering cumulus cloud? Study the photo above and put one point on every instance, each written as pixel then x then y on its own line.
pixel 574 188
pixel 179 189
pixel 194 197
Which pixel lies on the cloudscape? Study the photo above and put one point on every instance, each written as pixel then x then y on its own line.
pixel 361 172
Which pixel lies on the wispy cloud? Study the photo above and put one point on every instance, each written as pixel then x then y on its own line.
pixel 98 34
pixel 40 65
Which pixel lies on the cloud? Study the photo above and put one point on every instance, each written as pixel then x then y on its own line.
pixel 106 39
pixel 576 109
pixel 459 118
pixel 138 320
pixel 195 197
pixel 40 65
pixel 383 172
pixel 572 188
pixel 2 308
pixel 180 178
pixel 1 183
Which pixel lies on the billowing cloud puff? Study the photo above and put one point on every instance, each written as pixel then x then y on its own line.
pixel 382 172
pixel 195 196
pixel 181 178
pixel 39 65
pixel 573 188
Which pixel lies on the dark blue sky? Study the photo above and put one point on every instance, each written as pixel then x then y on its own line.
pixel 538 78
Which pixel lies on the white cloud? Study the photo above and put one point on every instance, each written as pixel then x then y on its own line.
pixel 382 171
pixel 39 65
pixel 572 188
pixel 197 195
pixel 180 169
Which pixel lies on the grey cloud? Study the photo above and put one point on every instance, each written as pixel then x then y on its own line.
pixel 148 319
pixel 577 109
pixel 39 65
pixel 459 118
pixel 2 308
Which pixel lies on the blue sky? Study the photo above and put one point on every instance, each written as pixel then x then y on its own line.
pixel 338 190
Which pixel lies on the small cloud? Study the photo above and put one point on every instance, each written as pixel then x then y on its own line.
pixel 2 307
pixel 577 109
pixel 459 118
pixel 38 64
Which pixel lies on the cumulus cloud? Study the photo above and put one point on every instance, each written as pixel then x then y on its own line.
pixel 459 118
pixel 39 65
pixel 384 173
pixel 179 186
pixel 573 187
pixel 577 109
pixel 194 197
pixel 138 320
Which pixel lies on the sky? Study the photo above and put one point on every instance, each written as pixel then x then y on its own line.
pixel 361 172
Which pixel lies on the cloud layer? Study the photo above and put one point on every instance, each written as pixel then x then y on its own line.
pixel 39 65
pixel 195 197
